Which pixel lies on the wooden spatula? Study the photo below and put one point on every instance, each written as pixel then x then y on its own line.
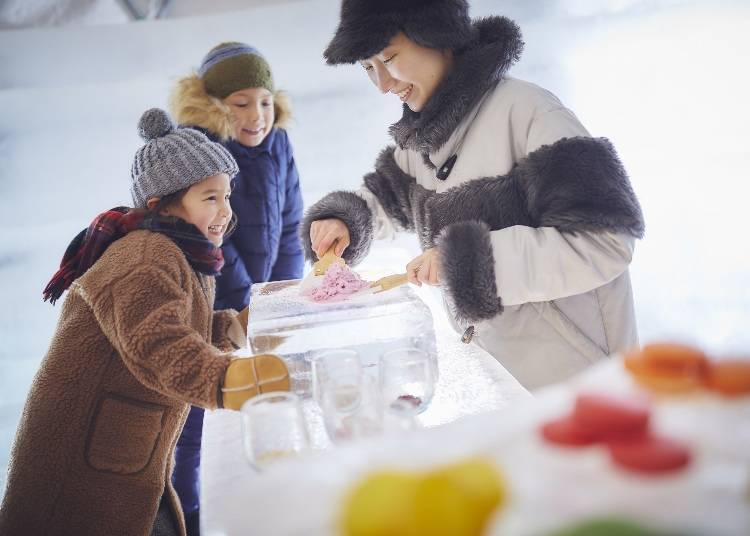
pixel 388 282
pixel 329 257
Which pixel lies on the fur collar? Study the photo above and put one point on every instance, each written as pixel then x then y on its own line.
pixel 191 105
pixel 477 69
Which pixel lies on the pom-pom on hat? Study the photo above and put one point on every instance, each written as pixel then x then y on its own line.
pixel 229 67
pixel 173 158
pixel 367 26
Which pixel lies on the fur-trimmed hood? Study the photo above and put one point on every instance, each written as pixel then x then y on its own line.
pixel 190 104
pixel 497 46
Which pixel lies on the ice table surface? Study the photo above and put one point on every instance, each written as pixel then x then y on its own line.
pixel 471 381
pixel 282 299
pixel 550 487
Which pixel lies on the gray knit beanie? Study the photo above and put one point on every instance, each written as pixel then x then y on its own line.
pixel 173 158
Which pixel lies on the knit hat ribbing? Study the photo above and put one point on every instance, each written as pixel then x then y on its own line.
pixel 366 27
pixel 173 158
pixel 229 67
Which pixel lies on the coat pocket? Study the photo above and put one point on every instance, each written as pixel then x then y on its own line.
pixel 123 435
pixel 560 315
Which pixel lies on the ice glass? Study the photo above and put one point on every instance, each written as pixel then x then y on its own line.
pixel 400 418
pixel 351 407
pixel 273 428
pixel 407 380
pixel 339 372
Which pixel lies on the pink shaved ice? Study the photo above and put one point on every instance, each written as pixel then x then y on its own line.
pixel 338 283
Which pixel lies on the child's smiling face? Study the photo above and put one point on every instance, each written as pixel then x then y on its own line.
pixel 253 113
pixel 206 205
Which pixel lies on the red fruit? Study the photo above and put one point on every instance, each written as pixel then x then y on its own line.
pixel 649 454
pixel 566 431
pixel 603 416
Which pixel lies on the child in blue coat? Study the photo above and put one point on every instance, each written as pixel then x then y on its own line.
pixel 233 100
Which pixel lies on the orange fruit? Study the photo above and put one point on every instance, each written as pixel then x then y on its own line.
pixel 729 377
pixel 674 358
pixel 668 367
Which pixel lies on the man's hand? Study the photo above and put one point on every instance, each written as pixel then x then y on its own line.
pixel 425 268
pixel 323 234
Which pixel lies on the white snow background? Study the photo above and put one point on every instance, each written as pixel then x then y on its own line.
pixel 666 81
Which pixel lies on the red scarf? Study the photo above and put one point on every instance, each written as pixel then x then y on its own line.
pixel 91 243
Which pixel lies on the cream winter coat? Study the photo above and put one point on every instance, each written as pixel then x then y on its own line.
pixel 536 220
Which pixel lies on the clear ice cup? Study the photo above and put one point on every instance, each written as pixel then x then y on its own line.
pixel 273 427
pixel 407 378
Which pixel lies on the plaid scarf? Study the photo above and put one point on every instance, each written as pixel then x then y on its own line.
pixel 91 243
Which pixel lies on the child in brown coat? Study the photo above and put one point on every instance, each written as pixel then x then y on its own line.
pixel 137 343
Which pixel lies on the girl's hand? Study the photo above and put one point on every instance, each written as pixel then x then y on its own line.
pixel 425 268
pixel 323 233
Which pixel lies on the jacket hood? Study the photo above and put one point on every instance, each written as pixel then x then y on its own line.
pixel 497 45
pixel 192 105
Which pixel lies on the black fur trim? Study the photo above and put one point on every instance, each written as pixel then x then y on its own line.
pixel 367 26
pixel 573 185
pixel 496 46
pixel 398 193
pixel 579 184
pixel 353 211
pixel 468 271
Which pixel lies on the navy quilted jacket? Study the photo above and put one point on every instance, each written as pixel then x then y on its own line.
pixel 268 204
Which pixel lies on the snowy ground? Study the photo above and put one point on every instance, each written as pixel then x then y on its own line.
pixel 664 80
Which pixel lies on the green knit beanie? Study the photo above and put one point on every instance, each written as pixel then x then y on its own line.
pixel 229 67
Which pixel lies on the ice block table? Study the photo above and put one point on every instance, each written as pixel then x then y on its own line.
pixel 471 382
pixel 548 486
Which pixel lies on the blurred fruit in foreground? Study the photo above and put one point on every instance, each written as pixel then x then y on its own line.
pixel 605 416
pixel 380 505
pixel 650 454
pixel 729 377
pixel 621 424
pixel 668 367
pixel 456 500
pixel 608 527
pixel 676 368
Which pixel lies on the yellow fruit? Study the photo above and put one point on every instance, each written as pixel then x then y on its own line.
pixel 481 480
pixel 456 500
pixel 439 508
pixel 379 505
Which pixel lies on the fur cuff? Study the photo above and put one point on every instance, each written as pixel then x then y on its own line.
pixel 468 271
pixel 354 212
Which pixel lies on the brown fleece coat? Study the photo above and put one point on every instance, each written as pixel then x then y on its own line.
pixel 94 449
